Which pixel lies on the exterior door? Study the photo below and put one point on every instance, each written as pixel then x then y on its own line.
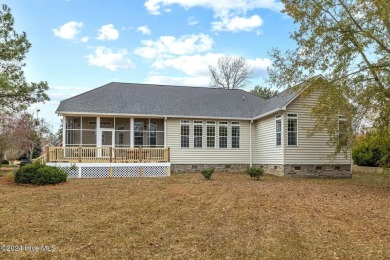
pixel 107 141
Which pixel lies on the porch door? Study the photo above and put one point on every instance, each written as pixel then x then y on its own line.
pixel 107 137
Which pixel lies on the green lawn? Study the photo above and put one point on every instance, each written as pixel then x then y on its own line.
pixel 186 217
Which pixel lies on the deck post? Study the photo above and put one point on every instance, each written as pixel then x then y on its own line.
pixel 169 154
pixel 110 152
pixel 47 151
pixel 80 153
pixel 140 155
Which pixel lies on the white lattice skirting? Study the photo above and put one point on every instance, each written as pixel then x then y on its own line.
pixel 106 170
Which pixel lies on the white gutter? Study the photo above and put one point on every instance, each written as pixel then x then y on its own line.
pixel 270 112
pixel 152 116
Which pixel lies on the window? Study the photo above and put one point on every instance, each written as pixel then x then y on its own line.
pixel 292 129
pixel 138 134
pixel 198 127
pixel 223 134
pixel 235 134
pixel 185 133
pixel 278 130
pixel 342 131
pixel 210 134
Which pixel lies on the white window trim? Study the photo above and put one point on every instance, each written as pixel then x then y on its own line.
pixel 198 123
pixel 344 119
pixel 235 123
pixel 226 125
pixel 278 118
pixel 212 123
pixel 297 117
pixel 186 122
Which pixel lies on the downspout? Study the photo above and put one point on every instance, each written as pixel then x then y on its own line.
pixel 250 143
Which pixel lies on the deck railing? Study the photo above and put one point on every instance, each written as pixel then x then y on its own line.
pixel 106 154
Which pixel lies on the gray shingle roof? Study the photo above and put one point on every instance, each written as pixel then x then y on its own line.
pixel 163 100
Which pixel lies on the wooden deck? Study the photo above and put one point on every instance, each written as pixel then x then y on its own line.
pixel 106 155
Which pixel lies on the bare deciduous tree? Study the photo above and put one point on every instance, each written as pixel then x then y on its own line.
pixel 230 73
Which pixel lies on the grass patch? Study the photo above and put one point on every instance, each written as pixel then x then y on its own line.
pixel 183 216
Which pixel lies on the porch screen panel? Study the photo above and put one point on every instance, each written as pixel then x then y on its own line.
pixel 138 134
pixel 106 122
pixel 152 134
pixel 89 137
pixel 73 131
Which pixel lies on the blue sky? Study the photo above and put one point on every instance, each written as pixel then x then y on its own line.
pixel 78 45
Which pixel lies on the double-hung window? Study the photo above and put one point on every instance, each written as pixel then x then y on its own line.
pixel 292 129
pixel 223 134
pixel 185 133
pixel 235 134
pixel 210 134
pixel 342 131
pixel 278 126
pixel 198 134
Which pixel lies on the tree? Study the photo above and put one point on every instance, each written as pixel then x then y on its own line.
pixel 264 92
pixel 230 73
pixel 348 43
pixel 15 93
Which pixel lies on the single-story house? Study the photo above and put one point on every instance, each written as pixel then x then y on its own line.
pixel 156 129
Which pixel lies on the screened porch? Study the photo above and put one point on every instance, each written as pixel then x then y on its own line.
pixel 115 132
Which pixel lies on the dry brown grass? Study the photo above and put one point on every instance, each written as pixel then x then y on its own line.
pixel 186 217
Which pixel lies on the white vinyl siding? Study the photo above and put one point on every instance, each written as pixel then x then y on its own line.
pixel 313 150
pixel 265 149
pixel 206 155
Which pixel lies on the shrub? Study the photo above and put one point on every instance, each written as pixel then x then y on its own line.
pixel 39 174
pixel 10 176
pixel 365 152
pixel 208 172
pixel 5 162
pixel 255 172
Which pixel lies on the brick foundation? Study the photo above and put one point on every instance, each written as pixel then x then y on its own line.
pixel 181 168
pixel 292 170
pixel 325 170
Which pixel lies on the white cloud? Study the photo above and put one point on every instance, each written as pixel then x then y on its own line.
pixel 259 65
pixel 197 65
pixel 109 59
pixel 144 30
pixel 85 39
pixel 69 30
pixel 201 81
pixel 192 21
pixel 108 32
pixel 154 6
pixel 166 46
pixel 235 24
